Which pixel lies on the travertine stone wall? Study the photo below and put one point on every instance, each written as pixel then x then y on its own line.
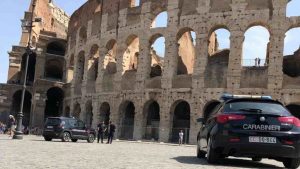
pixel 117 21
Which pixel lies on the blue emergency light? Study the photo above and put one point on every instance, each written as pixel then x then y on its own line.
pixel 227 96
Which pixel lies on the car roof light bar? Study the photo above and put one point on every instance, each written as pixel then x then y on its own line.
pixel 227 96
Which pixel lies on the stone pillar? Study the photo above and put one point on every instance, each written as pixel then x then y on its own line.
pixel 38 112
pixel 165 123
pixel 196 109
pixel 235 60
pixel 96 119
pixel 83 110
pixel 144 63
pixel 99 82
pixel 85 74
pixel 119 58
pixel 200 61
pixel 138 122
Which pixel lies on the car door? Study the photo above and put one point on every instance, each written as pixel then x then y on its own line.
pixel 81 130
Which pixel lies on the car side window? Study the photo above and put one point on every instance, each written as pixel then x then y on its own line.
pixel 80 124
pixel 72 123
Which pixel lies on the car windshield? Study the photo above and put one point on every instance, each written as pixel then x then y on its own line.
pixel 256 107
pixel 53 121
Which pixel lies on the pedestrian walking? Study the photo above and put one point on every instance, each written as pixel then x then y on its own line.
pixel 111 132
pixel 258 61
pixel 11 125
pixel 101 130
pixel 181 137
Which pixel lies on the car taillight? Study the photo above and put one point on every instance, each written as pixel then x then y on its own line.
pixel 224 118
pixel 290 120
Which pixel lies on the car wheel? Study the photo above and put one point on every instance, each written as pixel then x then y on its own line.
pixel 74 140
pixel 200 153
pixel 291 162
pixel 66 137
pixel 47 139
pixel 212 155
pixel 256 159
pixel 91 138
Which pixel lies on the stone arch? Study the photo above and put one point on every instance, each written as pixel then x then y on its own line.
pixel 54 102
pixel 93 64
pixel 104 114
pixel 151 120
pixel 127 113
pixel 256 45
pixel 54 68
pixel 180 118
pixel 291 66
pixel 157 53
pixel 56 48
pixel 82 34
pixel 88 119
pixel 218 38
pixel 30 69
pixel 76 110
pixel 209 107
pixel 80 67
pixel 15 106
pixel 130 56
pixel 291 8
pixel 294 109
pixel 162 17
pixel 186 39
pixel 109 63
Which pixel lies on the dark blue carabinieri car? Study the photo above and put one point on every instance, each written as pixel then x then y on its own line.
pixel 250 126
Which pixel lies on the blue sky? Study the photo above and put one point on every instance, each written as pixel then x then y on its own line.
pixel 10 31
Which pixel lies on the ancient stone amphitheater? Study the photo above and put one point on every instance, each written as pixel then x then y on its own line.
pixel 113 73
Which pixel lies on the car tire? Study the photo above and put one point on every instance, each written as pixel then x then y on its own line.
pixel 66 137
pixel 291 162
pixel 212 155
pixel 48 139
pixel 256 159
pixel 74 140
pixel 91 138
pixel 200 153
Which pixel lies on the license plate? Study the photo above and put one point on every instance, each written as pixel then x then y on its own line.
pixel 49 127
pixel 256 139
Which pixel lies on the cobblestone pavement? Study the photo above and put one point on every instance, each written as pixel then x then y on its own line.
pixel 34 152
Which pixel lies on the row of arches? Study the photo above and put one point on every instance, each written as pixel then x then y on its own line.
pixel 255 53
pixel 180 117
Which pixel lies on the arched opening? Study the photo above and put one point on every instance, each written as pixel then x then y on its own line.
pixel 256 47
pixel 110 65
pixel 30 69
pixel 67 111
pixel 161 20
pixel 16 102
pixel 82 35
pixel 293 8
pixel 134 3
pixel 80 67
pixel 104 115
pixel 70 74
pixel 127 120
pixel 291 65
pixel 54 102
pixel 219 41
pixel 130 57
pixel 157 52
pixel 294 109
pixel 93 64
pixel 181 120
pixel 209 109
pixel 56 48
pixel 89 113
pixel 186 39
pixel 77 111
pixel 54 69
pixel 152 119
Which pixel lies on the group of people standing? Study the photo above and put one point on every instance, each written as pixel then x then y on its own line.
pixel 106 129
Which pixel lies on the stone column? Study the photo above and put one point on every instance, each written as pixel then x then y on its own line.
pixel 196 108
pixel 85 74
pixel 144 63
pixel 99 82
pixel 138 122
pixel 235 60
pixel 165 123
pixel 96 119
pixel 119 58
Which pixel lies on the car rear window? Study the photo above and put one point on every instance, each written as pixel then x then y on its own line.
pixel 53 121
pixel 256 107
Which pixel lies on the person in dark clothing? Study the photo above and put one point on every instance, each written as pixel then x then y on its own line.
pixel 101 131
pixel 111 132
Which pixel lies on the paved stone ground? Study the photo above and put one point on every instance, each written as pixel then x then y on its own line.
pixel 33 152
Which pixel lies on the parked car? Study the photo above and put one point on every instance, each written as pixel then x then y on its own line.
pixel 248 126
pixel 67 129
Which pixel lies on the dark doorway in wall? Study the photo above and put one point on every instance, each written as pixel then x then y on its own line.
pixel 181 121
pixel 54 102
pixel 127 126
pixel 152 120
pixel 104 113
pixel 26 107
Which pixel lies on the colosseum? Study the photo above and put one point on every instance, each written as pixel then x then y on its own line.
pixel 102 66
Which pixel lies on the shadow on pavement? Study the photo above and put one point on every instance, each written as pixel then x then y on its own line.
pixel 227 162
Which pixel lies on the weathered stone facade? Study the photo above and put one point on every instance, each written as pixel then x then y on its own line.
pixel 109 63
